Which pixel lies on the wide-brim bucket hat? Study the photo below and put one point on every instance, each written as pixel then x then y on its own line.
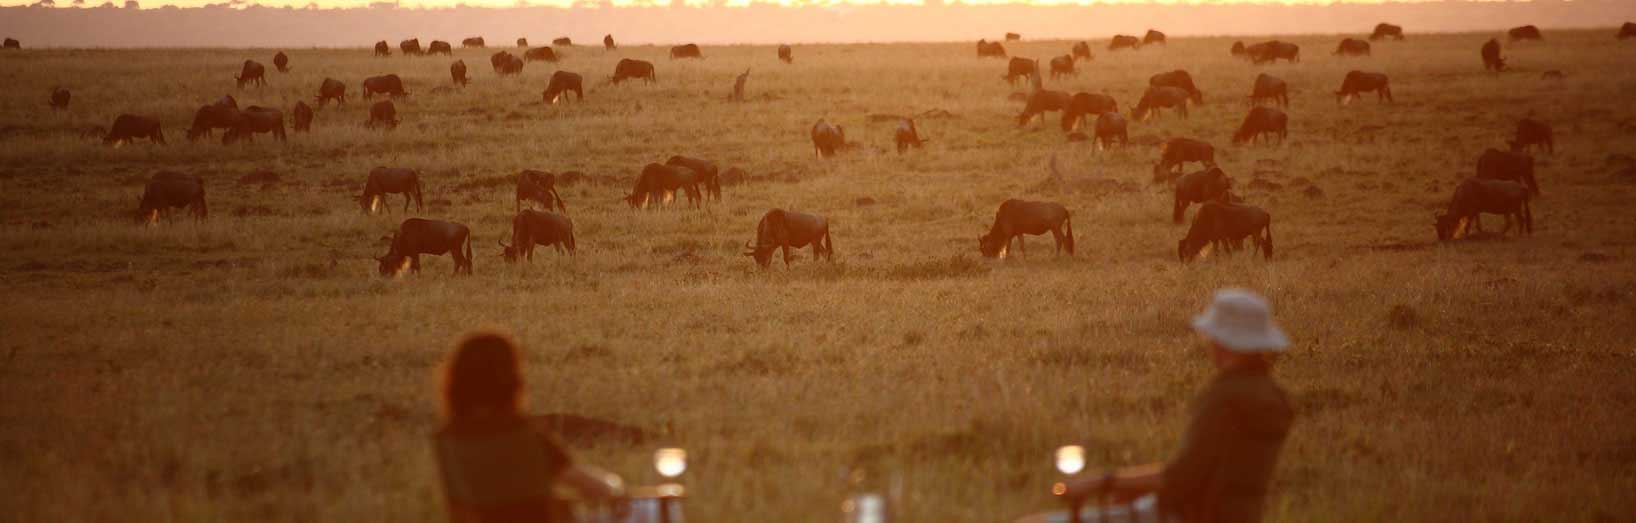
pixel 1241 321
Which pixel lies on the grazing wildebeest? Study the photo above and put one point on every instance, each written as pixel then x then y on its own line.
pixel 457 72
pixel 1531 132
pixel 417 236
pixel 303 117
pixel 1238 49
pixel 1262 121
pixel 475 41
pixel 252 73
pixel 507 64
pixel 499 59
pixel 561 83
pixel 1158 97
pixel 987 49
pixel 129 126
pixel 1085 105
pixel 1207 185
pixel 440 47
pixel 541 54
pixel 1063 66
pixel 827 139
pixel 1224 226
pixel 608 43
pixel 1180 80
pixel 281 62
pixel 1269 87
pixel 1352 47
pixel 1020 69
pixel 1475 197
pixel 539 186
pixel 1153 37
pixel 331 89
pixel 1385 30
pixel 530 228
pixel 1124 42
pixel 706 171
pixel 59 98
pixel 390 180
pixel 1177 151
pixel 1272 51
pixel 255 119
pixel 381 49
pixel 522 43
pixel 1357 82
pixel 1109 126
pixel 1041 101
pixel 411 47
pixel 11 43
pixel 785 54
pixel 628 68
pixel 383 113
pixel 1082 51
pixel 907 135
pixel 781 229
pixel 658 184
pixel 1021 217
pixel 1627 31
pixel 1527 32
pixel 563 41
pixel 171 190
pixel 1013 37
pixel 685 51
pixel 222 114
pixel 1491 56
pixel 1495 164
pixel 385 84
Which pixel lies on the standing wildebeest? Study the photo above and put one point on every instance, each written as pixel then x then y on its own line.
pixel 1153 37
pixel 1041 101
pixel 440 47
pixel 252 73
pixel 1269 87
pixel 530 228
pixel 170 190
pixel 1495 164
pixel 1063 66
pixel 255 119
pixel 129 126
pixel 457 72
pixel 539 186
pixel 1357 82
pixel 507 64
pixel 658 184
pixel 1491 56
pixel 1224 226
pixel 987 49
pixel 331 89
pixel 781 229
pixel 563 41
pixel 386 84
pixel 785 54
pixel 1272 51
pixel 1085 105
pixel 628 68
pixel 1475 197
pixel 1160 97
pixel 281 62
pixel 59 98
pixel 522 43
pixel 1081 51
pixel 417 236
pixel 381 49
pixel 541 54
pixel 1531 132
pixel 1180 80
pixel 303 117
pixel 1124 42
pixel 907 135
pixel 1111 125
pixel 1352 47
pixel 1238 49
pixel 1021 217
pixel 390 180
pixel 1199 187
pixel 1020 69
pixel 222 114
pixel 1385 30
pixel 1262 121
pixel 411 47
pixel 608 43
pixel 1177 151
pixel 561 83
pixel 706 171
pixel 685 51
pixel 475 41
pixel 11 43
pixel 1013 37
pixel 827 139
pixel 1527 32
pixel 382 113
pixel 1627 31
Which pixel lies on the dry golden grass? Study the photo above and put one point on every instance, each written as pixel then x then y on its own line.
pixel 251 367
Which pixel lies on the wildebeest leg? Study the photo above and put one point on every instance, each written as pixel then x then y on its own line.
pixel 786 254
pixel 414 263
pixel 1022 248
pixel 407 199
pixel 1056 233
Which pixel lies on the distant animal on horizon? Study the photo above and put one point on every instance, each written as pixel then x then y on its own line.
pixel 303 117
pixel 417 236
pixel 1160 97
pixel 457 72
pixel 562 41
pixel 1515 166
pixel 1153 37
pixel 1210 184
pixel 1491 56
pixel 1124 42
pixel 1180 80
pixel 440 47
pixel 1477 196
pixel 472 42
pixel 281 62
pixel 1272 51
pixel 253 120
pixel 907 136
pixel 1082 51
pixel 781 229
pixel 127 127
pixel 1352 47
pixel 59 98
pixel 627 69
pixel 1626 31
pixel 1238 50
pixel 1523 33
pixel 171 190
pixel 381 49
pixel 1531 133
pixel 608 43
pixel 1262 121
pixel 657 185
pixel 1358 82
pixel 11 43
pixel 410 47
pixel 1175 152
pixel 708 174
pixel 987 49
pixel 522 43
pixel 331 89
pixel 530 228
pixel 390 180
pixel 686 51
pixel 1063 66
pixel 388 84
pixel 1385 30
pixel 383 114
pixel 785 54
pixel 1020 68
pixel 1013 37
pixel 252 73
pixel 1223 226
pixel 1269 87
pixel 827 139
pixel 1018 218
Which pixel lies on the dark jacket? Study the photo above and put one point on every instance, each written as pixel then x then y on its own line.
pixel 1231 448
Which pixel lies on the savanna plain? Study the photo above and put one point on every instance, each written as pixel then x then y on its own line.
pixel 254 366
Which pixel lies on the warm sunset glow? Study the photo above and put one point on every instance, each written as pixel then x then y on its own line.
pixel 425 4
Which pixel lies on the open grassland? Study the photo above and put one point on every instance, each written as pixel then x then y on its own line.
pixel 252 367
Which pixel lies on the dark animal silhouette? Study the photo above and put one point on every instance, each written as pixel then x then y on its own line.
pixel 1082 51
pixel 522 43
pixel 1157 97
pixel 303 117
pixel 530 228
pixel 1475 197
pixel 1041 101
pixel 507 64
pixel 608 43
pixel 1530 133
pixel 331 89
pixel 1207 185
pixel 1358 82
pixel 221 114
pixel 827 139
pixel 171 190
pixel 658 184
pixel 411 47
pixel 1260 122
pixel 1627 31
pixel 457 72
pixel 1527 32
pixel 1180 80
pixel 785 54
pixel 1019 69
pixel 1063 66
pixel 1111 126
pixel 563 82
pixel 253 120
pixel 1124 42
pixel 1385 30
pixel 390 180
pixel 541 187
pixel 706 171
pixel 383 113
pixel 537 54
pixel 987 49
pixel 563 41
pixel 738 86
pixel 1495 164
pixel 381 49
pixel 1238 50
pixel 1352 47
pixel 440 47
pixel 1269 87
pixel 127 127
pixel 1224 227
pixel 1177 151
pixel 907 135
pixel 389 85
pixel 781 229
pixel 59 98
pixel 475 41
pixel 627 69
pixel 1270 52
pixel 1013 37
pixel 417 236
pixel 1153 37
pixel 11 43
pixel 1491 56
pixel 252 73
pixel 685 51
pixel 281 62
pixel 1017 218
pixel 1086 105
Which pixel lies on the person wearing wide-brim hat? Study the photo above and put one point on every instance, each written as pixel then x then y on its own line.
pixel 1227 456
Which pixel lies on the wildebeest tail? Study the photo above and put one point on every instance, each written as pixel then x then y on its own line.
pixel 829 246
pixel 470 260
pixel 1527 215
pixel 560 205
pixel 1068 234
pixel 570 241
pixel 1266 247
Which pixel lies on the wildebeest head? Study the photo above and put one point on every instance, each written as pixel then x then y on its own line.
pixel 1448 226
pixel 393 263
pixel 508 252
pixel 762 254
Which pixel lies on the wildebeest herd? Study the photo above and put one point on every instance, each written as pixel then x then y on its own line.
pixel 1504 182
